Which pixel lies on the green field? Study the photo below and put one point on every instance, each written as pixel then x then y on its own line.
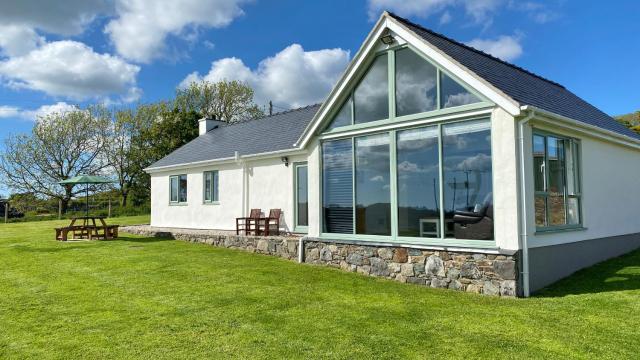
pixel 151 298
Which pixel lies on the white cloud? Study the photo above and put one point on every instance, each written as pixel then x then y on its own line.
pixel 33 114
pixel 68 17
pixel 293 77
pixel 480 162
pixel 142 26
pixel 9 111
pixel 445 18
pixel 419 8
pixel 507 48
pixel 16 40
pixel 70 69
pixel 481 11
pixel 539 12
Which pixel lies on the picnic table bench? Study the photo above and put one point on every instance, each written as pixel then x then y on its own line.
pixel 88 229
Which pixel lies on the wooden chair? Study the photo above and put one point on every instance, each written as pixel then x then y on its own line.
pixel 249 224
pixel 273 219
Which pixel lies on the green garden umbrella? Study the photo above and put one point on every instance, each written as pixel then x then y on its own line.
pixel 86 179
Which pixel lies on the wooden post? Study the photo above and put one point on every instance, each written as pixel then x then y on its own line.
pixel 6 212
pixel 109 207
pixel 59 209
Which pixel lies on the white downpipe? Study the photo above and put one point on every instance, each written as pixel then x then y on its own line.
pixel 240 161
pixel 523 202
pixel 301 250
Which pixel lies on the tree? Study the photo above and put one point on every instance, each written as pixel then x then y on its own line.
pixel 155 130
pixel 60 146
pixel 229 101
pixel 120 151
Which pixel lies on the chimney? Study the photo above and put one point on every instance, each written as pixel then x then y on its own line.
pixel 205 125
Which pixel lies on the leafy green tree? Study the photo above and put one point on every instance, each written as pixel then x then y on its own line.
pixel 229 101
pixel 60 146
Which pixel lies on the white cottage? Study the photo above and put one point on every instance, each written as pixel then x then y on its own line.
pixel 424 144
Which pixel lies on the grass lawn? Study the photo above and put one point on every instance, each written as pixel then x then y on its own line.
pixel 151 298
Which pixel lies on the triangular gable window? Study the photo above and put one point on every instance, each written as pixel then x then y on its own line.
pixel 343 117
pixel 371 97
pixel 453 94
pixel 419 87
pixel 416 84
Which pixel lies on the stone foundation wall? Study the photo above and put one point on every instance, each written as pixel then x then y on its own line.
pixel 284 247
pixel 477 273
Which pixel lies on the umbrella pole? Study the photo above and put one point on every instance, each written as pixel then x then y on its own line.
pixel 86 212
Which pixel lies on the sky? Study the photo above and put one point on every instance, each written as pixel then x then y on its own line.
pixel 57 54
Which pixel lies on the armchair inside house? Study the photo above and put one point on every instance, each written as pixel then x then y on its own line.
pixel 475 223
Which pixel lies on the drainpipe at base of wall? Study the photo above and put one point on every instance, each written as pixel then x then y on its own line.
pixel 523 203
pixel 301 249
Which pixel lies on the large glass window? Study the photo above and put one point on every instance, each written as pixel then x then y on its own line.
pixel 556 181
pixel 343 117
pixel 418 173
pixel 337 186
pixel 302 202
pixel 357 171
pixel 371 96
pixel 210 186
pixel 468 186
pixel 453 94
pixel 178 189
pixel 417 87
pixel 416 83
pixel 372 195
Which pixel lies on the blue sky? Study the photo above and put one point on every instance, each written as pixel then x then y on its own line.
pixel 54 54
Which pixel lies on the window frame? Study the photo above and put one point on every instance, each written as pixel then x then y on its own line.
pixel 215 190
pixel 297 227
pixel 348 95
pixel 576 153
pixel 443 240
pixel 177 201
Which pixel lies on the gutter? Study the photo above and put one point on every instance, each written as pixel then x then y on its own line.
pixel 524 242
pixel 264 155
pixel 590 130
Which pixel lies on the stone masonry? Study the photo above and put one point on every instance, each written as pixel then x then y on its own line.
pixel 463 271
pixel 282 246
pixel 478 273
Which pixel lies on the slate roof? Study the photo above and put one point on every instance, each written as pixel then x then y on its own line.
pixel 521 85
pixel 271 133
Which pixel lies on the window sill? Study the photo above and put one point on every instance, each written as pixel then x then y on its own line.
pixel 543 231
pixel 434 243
pixel 301 229
pixel 211 203
pixel 178 204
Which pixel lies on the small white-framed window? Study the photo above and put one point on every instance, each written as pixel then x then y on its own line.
pixel 178 189
pixel 556 167
pixel 211 184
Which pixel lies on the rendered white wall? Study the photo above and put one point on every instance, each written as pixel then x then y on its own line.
pixel 270 185
pixel 611 195
pixel 196 214
pixel 315 202
pixel 504 141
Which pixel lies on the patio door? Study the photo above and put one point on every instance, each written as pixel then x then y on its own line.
pixel 301 201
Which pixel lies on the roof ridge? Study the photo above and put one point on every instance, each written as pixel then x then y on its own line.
pixel 272 115
pixel 400 18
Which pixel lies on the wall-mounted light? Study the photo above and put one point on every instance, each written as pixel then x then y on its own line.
pixel 387 39
pixel 285 160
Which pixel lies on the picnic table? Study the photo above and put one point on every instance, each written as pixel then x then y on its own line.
pixel 88 227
